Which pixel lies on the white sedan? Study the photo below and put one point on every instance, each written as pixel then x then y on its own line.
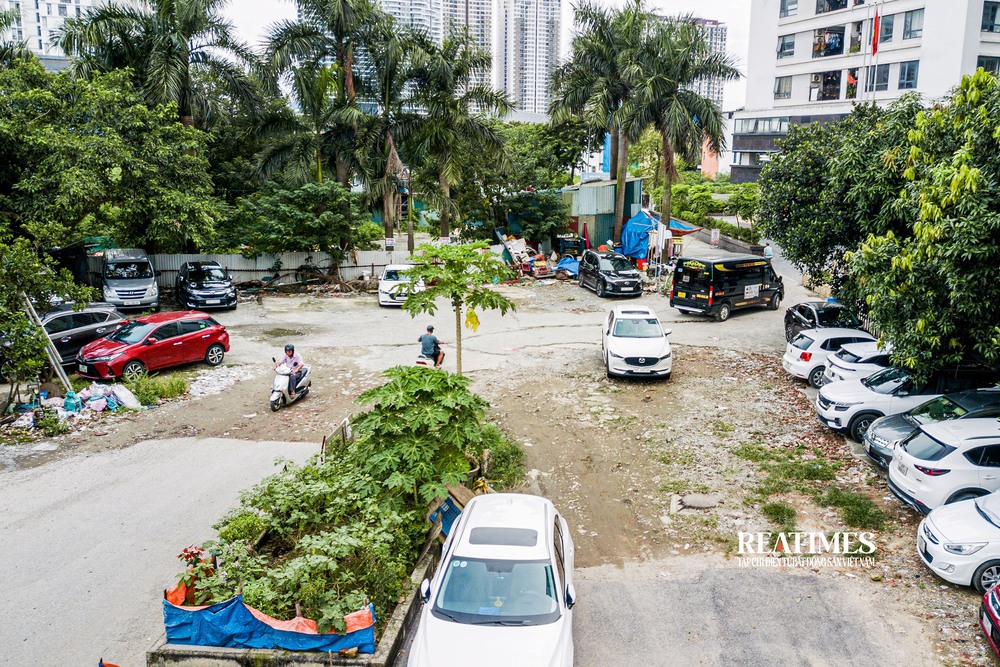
pixel 394 287
pixel 634 343
pixel 961 542
pixel 503 594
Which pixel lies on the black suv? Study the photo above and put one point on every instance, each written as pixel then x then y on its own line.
pixel 71 329
pixel 609 273
pixel 818 315
pixel 202 285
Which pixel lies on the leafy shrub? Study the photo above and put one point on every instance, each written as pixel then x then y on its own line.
pixel 506 459
pixel 48 422
pixel 148 389
pixel 242 527
pixel 368 235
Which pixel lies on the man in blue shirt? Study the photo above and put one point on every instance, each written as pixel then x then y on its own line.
pixel 430 346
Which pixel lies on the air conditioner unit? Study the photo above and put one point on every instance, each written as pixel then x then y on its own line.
pixel 816 79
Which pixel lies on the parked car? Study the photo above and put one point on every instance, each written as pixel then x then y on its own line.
pixel 818 315
pixel 394 287
pixel 634 343
pixel 201 285
pixel 989 618
pixel 856 361
pixel 947 462
pixel 960 542
pixel 154 342
pixel 716 286
pixel 806 355
pixel 503 592
pixel 609 273
pixel 128 279
pixel 886 432
pixel 69 330
pixel 852 405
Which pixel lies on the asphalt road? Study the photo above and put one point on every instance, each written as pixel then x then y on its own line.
pixel 90 543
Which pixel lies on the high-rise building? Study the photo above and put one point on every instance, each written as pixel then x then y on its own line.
pixel 715 35
pixel 424 15
pixel 812 60
pixel 526 53
pixel 476 16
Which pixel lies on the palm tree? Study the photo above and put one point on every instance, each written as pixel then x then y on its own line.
pixel 666 67
pixel 167 43
pixel 13 50
pixel 454 105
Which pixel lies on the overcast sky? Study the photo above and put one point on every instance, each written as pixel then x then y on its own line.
pixel 252 17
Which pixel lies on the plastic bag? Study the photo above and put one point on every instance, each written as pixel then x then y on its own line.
pixel 72 402
pixel 125 397
pixel 97 404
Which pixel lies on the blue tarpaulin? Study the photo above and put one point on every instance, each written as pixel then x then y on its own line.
pixel 569 265
pixel 233 624
pixel 635 233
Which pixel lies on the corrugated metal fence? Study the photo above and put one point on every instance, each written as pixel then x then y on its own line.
pixel 355 266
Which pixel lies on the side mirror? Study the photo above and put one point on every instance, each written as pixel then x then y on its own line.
pixel 425 590
pixel 570 596
pixel 667 332
pixel 903 392
pixel 157 273
pixel 149 341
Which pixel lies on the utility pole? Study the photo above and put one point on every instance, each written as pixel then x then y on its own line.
pixel 409 211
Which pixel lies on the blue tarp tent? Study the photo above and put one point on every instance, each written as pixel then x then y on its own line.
pixel 635 233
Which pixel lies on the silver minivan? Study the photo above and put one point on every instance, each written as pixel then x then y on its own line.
pixel 128 280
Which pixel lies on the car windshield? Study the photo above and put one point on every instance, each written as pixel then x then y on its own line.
pixel 128 270
pixel 802 342
pixel 636 328
pixel 497 592
pixel 940 409
pixel 848 357
pixel 391 274
pixel 615 264
pixel 837 317
pixel 924 447
pixel 132 333
pixel 887 381
pixel 989 508
pixel 208 273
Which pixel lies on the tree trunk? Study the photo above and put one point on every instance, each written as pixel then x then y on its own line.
pixel 409 220
pixel 187 121
pixel 458 339
pixel 445 222
pixel 614 152
pixel 343 176
pixel 620 188
pixel 388 211
pixel 668 171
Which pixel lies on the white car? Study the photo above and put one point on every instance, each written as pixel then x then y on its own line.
pixel 394 287
pixel 856 361
pixel 634 343
pixel 806 354
pixel 946 462
pixel 503 594
pixel 961 542
pixel 852 405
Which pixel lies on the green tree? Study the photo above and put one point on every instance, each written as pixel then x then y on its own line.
pixel 463 275
pixel 743 202
pixel 542 215
pixel 165 43
pixel 12 50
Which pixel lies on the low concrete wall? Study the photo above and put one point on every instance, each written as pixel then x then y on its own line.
pixel 725 242
pixel 168 655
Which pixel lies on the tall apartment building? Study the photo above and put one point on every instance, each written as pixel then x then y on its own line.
pixel 526 53
pixel 812 60
pixel 715 35
pixel 38 24
pixel 423 15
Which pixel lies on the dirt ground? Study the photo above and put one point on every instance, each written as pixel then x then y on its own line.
pixel 615 456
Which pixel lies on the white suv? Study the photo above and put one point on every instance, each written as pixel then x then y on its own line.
pixel 635 344
pixel 856 361
pixel 961 542
pixel 946 462
pixel 806 354
pixel 852 405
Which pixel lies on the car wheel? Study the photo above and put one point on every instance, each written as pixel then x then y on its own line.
pixel 276 404
pixel 964 495
pixel 725 310
pixel 789 332
pixel 816 378
pixel 132 371
pixel 601 289
pixel 215 354
pixel 579 280
pixel 986 575
pixel 775 301
pixel 860 424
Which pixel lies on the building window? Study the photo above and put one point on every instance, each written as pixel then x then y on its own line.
pixel 852 83
pixel 788 8
pixel 989 63
pixel 876 78
pixel 762 125
pixel 783 88
pixel 786 46
pixel 824 6
pixel 825 86
pixel 856 29
pixel 991 17
pixel 62 10
pixel 913 24
pixel 828 42
pixel 885 31
pixel 908 74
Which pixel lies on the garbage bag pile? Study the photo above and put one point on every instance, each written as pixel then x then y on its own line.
pixel 77 406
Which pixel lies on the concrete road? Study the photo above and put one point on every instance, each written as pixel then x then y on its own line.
pixel 90 543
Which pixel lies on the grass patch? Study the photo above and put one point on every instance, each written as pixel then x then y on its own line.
pixel 676 457
pixel 148 389
pixel 786 471
pixel 856 510
pixel 781 514
pixel 78 383
pixel 506 468
pixel 281 333
pixel 755 453
pixel 722 428
pixel 49 424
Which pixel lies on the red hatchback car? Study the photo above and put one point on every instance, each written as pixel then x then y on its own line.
pixel 153 342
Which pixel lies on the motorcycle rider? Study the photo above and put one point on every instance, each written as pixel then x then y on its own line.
pixel 293 360
pixel 430 346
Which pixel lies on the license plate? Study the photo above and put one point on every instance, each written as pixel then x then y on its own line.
pixel 921 544
pixel 901 467
pixel 987 625
pixel 82 368
pixel 212 302
pixel 132 302
pixel 681 295
pixel 627 289
pixel 868 447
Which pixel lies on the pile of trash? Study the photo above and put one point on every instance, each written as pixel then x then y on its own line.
pixel 77 406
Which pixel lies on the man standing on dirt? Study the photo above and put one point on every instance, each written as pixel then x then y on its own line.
pixel 430 346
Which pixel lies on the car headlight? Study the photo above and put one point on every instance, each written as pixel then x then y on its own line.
pixel 837 405
pixel 964 549
pixel 665 357
pixel 154 290
pixel 616 356
pixel 108 357
pixel 108 292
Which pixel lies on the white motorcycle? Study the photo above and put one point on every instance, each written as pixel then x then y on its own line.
pixel 279 388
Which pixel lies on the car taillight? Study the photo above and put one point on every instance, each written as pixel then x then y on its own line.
pixel 932 472
pixel 805 356
pixel 711 293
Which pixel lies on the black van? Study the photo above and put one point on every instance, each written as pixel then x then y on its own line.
pixel 717 286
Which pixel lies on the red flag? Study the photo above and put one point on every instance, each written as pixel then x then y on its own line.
pixel 851 80
pixel 586 236
pixel 875 30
